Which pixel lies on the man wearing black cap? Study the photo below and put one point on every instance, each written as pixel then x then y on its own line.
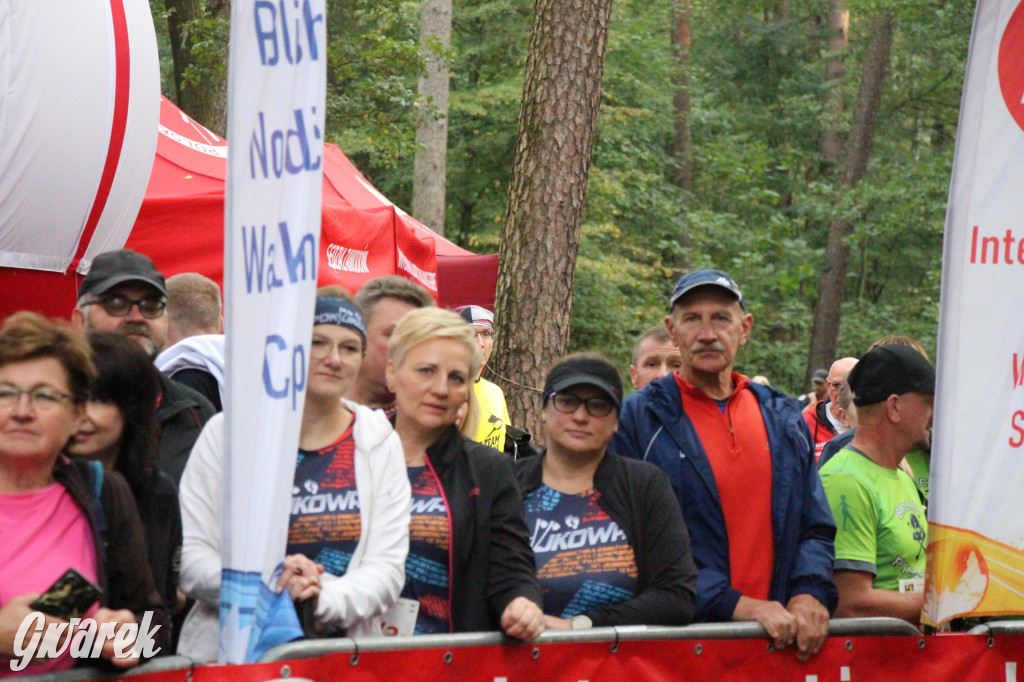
pixel 741 463
pixel 819 389
pixel 879 513
pixel 125 293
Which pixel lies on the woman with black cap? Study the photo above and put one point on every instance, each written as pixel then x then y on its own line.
pixel 349 529
pixel 610 542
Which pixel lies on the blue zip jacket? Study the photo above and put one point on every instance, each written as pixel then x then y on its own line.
pixel 653 427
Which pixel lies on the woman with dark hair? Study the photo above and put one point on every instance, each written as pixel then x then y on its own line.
pixel 56 513
pixel 610 542
pixel 120 431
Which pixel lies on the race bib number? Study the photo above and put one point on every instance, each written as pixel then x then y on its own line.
pixel 400 620
pixel 911 585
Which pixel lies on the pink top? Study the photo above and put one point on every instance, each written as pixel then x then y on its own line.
pixel 43 533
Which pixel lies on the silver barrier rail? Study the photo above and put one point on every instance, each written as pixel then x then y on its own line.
pixel 838 627
pixel 999 627
pixel 314 648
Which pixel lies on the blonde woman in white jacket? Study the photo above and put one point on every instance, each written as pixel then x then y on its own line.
pixel 349 529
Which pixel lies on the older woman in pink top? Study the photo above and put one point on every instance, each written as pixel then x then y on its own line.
pixel 57 514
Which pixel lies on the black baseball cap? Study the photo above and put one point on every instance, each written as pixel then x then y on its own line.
pixel 701 278
pixel 576 371
pixel 117 267
pixel 888 370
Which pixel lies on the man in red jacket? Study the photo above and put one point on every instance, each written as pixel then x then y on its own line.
pixel 823 417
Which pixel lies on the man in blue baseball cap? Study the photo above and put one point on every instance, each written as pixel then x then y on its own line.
pixel 741 462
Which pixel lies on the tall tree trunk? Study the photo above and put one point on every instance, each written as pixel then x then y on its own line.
pixel 431 160
pixel 540 236
pixel 835 72
pixel 825 334
pixel 682 143
pixel 200 76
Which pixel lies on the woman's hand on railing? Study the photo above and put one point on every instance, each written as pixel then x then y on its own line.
pixel 523 620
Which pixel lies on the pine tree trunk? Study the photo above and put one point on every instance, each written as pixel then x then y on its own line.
pixel 825 334
pixel 431 160
pixel 205 100
pixel 540 236
pixel 835 72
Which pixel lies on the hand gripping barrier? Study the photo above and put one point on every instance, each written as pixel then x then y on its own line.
pixel 839 627
pixel 701 637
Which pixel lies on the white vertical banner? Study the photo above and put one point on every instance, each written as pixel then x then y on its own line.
pixel 976 524
pixel 276 95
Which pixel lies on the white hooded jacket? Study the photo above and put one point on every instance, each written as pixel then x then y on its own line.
pixel 376 573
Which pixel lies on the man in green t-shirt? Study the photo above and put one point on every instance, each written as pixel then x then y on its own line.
pixel 881 531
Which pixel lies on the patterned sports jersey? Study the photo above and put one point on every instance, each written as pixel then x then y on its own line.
pixel 426 566
pixel 325 523
pixel 583 558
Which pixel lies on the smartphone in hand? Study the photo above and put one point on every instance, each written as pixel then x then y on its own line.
pixel 70 596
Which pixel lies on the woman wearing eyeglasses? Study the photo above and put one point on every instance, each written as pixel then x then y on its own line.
pixel 55 513
pixel 469 567
pixel 610 542
pixel 348 534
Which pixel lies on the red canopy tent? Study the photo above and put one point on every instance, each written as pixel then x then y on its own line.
pixel 181 227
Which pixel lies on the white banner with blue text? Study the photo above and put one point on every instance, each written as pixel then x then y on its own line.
pixel 276 95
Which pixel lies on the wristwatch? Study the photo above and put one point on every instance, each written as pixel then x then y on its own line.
pixel 581 622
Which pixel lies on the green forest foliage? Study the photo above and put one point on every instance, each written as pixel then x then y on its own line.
pixel 763 195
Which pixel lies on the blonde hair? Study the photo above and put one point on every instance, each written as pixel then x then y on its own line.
pixel 426 324
pixel 193 304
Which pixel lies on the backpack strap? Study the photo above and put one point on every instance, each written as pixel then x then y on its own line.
pixel 94 472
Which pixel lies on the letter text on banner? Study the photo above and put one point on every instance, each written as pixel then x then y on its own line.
pixel 276 100
pixel 976 543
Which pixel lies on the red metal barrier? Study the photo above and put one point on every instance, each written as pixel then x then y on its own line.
pixel 956 658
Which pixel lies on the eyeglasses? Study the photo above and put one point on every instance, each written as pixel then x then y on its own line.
pixel 120 306
pixel 834 384
pixel 484 333
pixel 42 399
pixel 596 407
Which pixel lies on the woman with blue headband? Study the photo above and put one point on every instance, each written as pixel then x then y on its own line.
pixel 349 529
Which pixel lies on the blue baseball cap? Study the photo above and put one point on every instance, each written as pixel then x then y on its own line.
pixel 700 278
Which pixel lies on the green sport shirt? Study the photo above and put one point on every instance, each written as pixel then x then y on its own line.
pixel 920 464
pixel 880 523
